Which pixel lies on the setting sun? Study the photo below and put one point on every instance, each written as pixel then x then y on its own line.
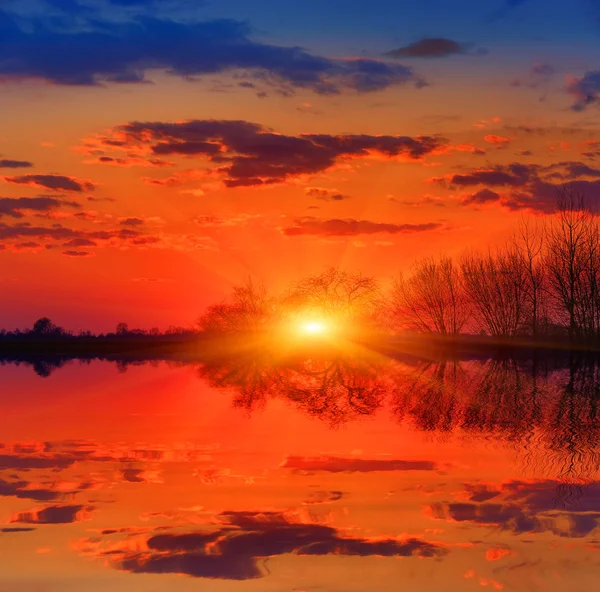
pixel 314 327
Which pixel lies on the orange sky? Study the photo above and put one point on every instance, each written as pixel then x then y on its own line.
pixel 488 103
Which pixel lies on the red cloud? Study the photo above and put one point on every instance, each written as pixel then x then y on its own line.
pixel 325 194
pixel 77 253
pixel 497 553
pixel 350 227
pixel 53 182
pixel 248 154
pixel 494 139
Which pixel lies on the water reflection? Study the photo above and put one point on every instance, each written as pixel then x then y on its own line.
pixel 484 468
pixel 335 387
pixel 546 407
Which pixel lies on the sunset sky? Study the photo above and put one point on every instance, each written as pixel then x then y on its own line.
pixel 153 153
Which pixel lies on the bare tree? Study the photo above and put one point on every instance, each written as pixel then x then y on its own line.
pixel 573 264
pixel 528 241
pixel 249 310
pixel 335 293
pixel 431 297
pixel 495 285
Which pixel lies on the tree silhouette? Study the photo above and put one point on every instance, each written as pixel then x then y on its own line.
pixel 431 298
pixel 44 327
pixel 122 329
pixel 249 310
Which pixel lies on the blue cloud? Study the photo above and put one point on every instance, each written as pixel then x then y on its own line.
pixel 585 90
pixel 93 52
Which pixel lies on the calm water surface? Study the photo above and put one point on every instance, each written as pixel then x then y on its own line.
pixel 330 474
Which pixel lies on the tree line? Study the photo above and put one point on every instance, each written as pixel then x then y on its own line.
pixel 45 329
pixel 542 283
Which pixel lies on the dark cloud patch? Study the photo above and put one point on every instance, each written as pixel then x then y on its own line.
pixel 537 75
pixel 76 54
pixel 236 549
pixel 15 164
pixel 131 475
pixel 131 162
pixel 324 497
pixel 80 242
pixel 309 225
pixel 527 186
pixel 53 182
pixel 480 492
pixel 507 516
pixel 547 495
pixel 11 529
pixel 585 90
pixel 571 170
pixel 19 490
pixel 196 564
pixel 15 207
pixel 77 254
pixel 483 196
pixel 27 490
pixel 543 70
pixel 334 464
pixel 591 149
pixel 24 462
pixel 326 194
pixel 512 175
pixel 523 507
pixel 81 238
pixel 27 245
pixel 433 47
pixel 53 515
pixel 132 222
pixel 247 154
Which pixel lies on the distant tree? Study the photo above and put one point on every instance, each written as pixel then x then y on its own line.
pixel 122 329
pixel 45 327
pixel 249 310
pixel 176 330
pixel 336 293
pixel 430 298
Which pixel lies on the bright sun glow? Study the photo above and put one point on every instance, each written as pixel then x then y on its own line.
pixel 313 327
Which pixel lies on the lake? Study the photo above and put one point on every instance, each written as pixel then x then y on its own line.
pixel 332 473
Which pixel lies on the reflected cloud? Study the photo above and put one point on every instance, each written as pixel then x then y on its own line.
pixel 54 515
pixel 332 464
pixel 324 497
pixel 522 507
pixel 139 476
pixel 242 541
pixel 10 529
